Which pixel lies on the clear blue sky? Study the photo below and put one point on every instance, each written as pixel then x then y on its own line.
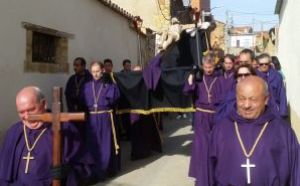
pixel 257 13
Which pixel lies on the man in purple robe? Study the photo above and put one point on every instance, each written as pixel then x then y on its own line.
pixel 26 153
pixel 75 84
pixel 278 100
pixel 229 101
pixel 246 56
pixel 101 139
pixel 228 75
pixel 253 146
pixel 208 95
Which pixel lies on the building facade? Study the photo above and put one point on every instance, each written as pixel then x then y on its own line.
pixel 40 39
pixel 288 53
pixel 240 38
pixel 155 14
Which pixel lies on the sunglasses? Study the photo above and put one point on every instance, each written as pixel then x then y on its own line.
pixel 243 75
pixel 264 64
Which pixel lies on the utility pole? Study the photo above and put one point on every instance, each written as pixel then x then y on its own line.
pixel 226 32
pixel 262 35
pixel 253 38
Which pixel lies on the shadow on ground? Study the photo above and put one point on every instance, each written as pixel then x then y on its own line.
pixel 177 137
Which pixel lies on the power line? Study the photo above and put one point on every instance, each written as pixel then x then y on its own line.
pixel 267 21
pixel 250 13
pixel 259 22
pixel 243 24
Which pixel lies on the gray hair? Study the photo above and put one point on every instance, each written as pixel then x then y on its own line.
pixel 208 59
pixel 264 55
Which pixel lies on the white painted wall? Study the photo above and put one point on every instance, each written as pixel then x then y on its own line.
pixel 289 55
pixel 246 41
pixel 148 10
pixel 99 33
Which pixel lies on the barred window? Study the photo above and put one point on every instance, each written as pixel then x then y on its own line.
pixel 44 48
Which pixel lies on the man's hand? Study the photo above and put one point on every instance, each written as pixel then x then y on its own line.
pixel 191 79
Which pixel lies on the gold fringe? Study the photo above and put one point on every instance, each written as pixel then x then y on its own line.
pixel 101 111
pixel 110 112
pixel 150 111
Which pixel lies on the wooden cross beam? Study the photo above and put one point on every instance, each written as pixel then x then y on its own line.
pixel 56 117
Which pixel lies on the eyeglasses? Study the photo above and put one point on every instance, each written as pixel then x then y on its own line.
pixel 264 64
pixel 243 75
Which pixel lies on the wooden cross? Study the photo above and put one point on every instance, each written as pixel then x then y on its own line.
pixel 27 158
pixel 56 117
pixel 248 165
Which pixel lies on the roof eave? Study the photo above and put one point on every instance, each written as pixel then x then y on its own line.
pixel 278 6
pixel 114 7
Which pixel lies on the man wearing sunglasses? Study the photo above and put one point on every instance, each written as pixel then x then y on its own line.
pixel 278 100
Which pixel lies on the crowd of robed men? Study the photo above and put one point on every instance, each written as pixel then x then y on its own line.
pixel 241 132
pixel 91 149
pixel 242 135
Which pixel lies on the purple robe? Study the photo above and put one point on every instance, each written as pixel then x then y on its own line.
pixel 203 124
pixel 99 137
pixel 144 136
pixel 278 100
pixel 226 106
pixel 275 156
pixel 228 81
pixel 12 164
pixel 71 92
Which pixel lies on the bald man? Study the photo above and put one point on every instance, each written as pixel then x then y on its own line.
pixel 253 146
pixel 26 153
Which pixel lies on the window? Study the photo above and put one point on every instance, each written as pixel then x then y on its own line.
pixel 46 49
pixel 43 48
pixel 238 43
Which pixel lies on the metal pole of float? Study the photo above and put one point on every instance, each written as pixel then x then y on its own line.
pixel 139 49
pixel 197 15
pixel 137 21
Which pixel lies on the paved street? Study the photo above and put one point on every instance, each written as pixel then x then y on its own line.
pixel 167 169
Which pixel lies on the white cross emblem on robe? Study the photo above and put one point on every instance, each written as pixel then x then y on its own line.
pixel 248 165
